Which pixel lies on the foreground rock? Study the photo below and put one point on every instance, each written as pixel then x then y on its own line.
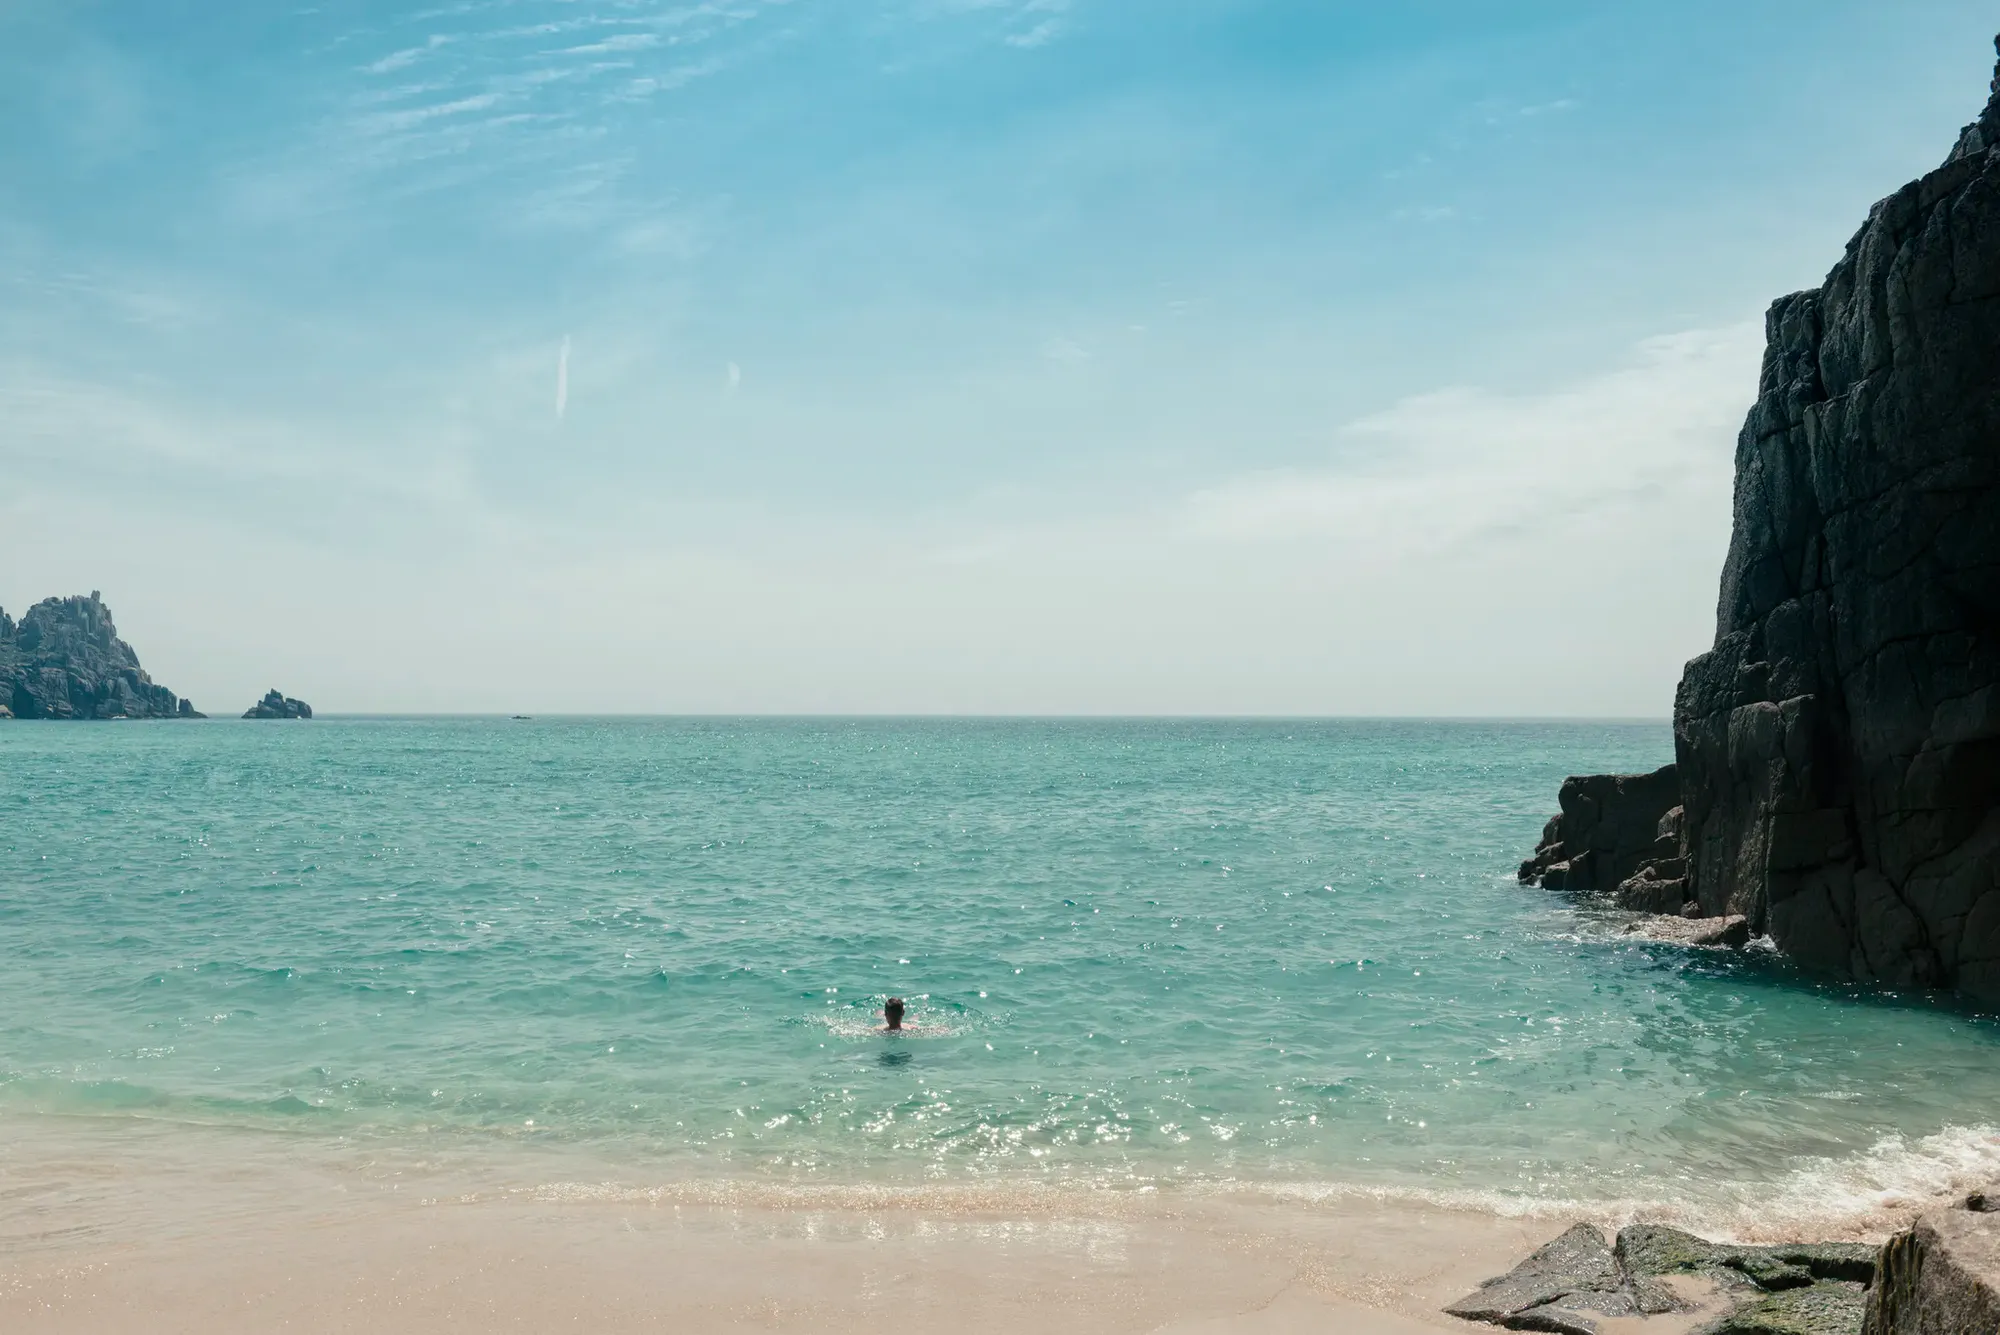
pixel 1940 1277
pixel 1577 1281
pixel 1565 1286
pixel 64 660
pixel 1838 749
pixel 275 704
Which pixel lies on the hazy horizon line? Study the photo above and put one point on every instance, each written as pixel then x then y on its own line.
pixel 915 716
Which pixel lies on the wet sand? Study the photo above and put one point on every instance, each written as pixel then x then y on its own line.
pixel 142 1228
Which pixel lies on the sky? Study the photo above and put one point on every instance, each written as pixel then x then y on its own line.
pixel 1288 357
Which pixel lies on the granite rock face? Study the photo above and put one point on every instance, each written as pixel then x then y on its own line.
pixel 1838 750
pixel 276 704
pixel 1839 747
pixel 1939 1277
pixel 64 660
pixel 1611 826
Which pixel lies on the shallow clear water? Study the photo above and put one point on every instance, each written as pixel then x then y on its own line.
pixel 1136 951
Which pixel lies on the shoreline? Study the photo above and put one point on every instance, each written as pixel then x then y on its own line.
pixel 1862 1196
pixel 115 1225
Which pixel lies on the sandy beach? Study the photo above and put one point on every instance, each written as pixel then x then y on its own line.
pixel 139 1227
pixel 128 1226
pixel 612 1268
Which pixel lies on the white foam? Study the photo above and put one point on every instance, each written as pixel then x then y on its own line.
pixel 1867 1196
pixel 1891 1180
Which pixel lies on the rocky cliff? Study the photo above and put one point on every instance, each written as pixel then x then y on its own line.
pixel 64 660
pixel 1838 750
pixel 1839 747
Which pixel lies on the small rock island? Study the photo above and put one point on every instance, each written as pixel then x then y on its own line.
pixel 276 704
pixel 64 660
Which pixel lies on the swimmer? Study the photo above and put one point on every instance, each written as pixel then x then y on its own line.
pixel 892 1012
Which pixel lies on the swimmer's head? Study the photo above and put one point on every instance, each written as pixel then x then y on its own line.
pixel 892 1011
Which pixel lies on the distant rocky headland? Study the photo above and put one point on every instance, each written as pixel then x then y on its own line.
pixel 1837 752
pixel 64 660
pixel 276 704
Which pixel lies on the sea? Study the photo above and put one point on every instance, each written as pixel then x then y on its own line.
pixel 1277 956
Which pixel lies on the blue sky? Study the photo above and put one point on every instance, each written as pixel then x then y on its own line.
pixel 919 355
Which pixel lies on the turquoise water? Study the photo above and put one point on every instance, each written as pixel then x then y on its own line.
pixel 1135 951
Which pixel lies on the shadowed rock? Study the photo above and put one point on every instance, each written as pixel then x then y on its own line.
pixel 1841 744
pixel 1611 826
pixel 1839 747
pixel 1837 752
pixel 64 660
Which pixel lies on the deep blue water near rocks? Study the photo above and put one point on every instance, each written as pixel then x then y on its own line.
pixel 1137 951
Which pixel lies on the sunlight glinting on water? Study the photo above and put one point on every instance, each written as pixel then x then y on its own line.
pixel 1134 952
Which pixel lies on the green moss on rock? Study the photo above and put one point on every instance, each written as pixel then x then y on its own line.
pixel 1830 1307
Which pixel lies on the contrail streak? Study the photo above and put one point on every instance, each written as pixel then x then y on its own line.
pixel 562 379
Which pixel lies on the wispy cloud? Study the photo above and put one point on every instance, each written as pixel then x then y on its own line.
pixel 630 41
pixel 1426 543
pixel 1454 464
pixel 645 85
pixel 498 98
pixel 146 437
pixel 1065 350
pixel 408 55
pixel 1023 24
pixel 386 122
pixel 145 301
pixel 1040 35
